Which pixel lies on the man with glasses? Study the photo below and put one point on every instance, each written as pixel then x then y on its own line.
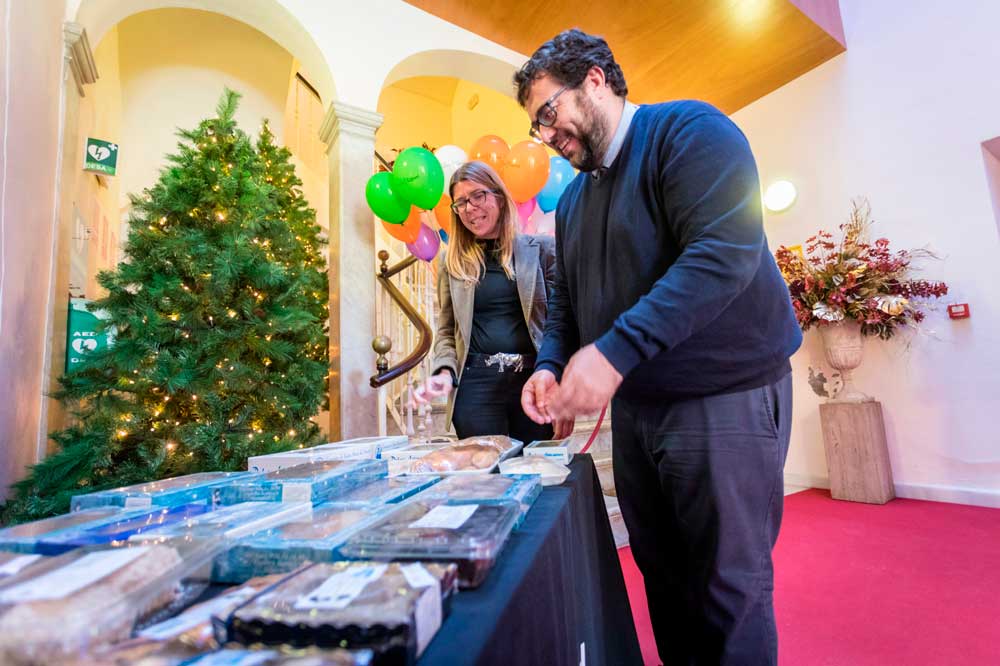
pixel 667 303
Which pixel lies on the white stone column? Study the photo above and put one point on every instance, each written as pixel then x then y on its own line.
pixel 349 133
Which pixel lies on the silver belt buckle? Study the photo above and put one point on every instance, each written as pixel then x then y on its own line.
pixel 515 361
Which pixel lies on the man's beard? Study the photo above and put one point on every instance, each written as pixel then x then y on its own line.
pixel 593 136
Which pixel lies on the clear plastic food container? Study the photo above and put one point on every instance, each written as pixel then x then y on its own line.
pixel 393 609
pixel 189 489
pixel 385 491
pixel 312 482
pixel 471 535
pixel 312 538
pixel 24 538
pixel 118 527
pixel 71 605
pixel 486 489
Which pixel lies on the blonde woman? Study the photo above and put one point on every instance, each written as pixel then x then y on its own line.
pixel 493 286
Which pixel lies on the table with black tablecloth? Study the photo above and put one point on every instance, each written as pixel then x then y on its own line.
pixel 556 595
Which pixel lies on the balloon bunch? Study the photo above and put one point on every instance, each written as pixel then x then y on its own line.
pixel 409 199
pixel 412 203
pixel 535 180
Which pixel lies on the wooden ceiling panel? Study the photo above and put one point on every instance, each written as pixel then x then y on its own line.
pixel 727 52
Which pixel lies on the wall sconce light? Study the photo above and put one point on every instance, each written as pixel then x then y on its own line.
pixel 779 196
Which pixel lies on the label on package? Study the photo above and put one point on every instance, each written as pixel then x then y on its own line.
pixel 340 589
pixel 15 565
pixel 445 517
pixel 75 576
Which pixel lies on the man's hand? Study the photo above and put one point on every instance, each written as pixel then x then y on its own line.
pixel 588 383
pixel 563 428
pixel 435 386
pixel 534 395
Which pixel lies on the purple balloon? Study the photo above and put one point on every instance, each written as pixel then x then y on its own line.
pixel 427 244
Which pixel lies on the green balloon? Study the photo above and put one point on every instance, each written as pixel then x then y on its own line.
pixel 384 200
pixel 418 177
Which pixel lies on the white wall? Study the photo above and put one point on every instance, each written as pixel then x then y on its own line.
pixel 900 118
pixel 174 66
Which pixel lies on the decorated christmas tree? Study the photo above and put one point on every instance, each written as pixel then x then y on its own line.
pixel 219 314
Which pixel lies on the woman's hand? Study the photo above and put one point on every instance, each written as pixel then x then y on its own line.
pixel 436 386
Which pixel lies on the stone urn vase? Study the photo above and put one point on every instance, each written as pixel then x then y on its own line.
pixel 843 345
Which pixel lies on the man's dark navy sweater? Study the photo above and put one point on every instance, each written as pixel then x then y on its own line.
pixel 662 262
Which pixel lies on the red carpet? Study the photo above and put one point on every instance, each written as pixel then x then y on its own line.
pixel 909 582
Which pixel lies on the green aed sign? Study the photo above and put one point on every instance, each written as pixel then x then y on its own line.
pixel 82 337
pixel 101 156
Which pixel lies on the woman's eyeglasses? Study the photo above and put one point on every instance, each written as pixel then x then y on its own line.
pixel 477 199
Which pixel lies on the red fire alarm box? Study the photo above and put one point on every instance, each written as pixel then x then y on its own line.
pixel 958 311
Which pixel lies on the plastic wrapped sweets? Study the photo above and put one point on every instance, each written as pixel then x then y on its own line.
pixel 312 538
pixel 179 638
pixel 385 491
pixel 471 535
pixel 231 522
pixel 118 527
pixel 25 538
pixel 472 454
pixel 312 482
pixel 486 489
pixel 393 609
pixel 201 487
pixel 80 601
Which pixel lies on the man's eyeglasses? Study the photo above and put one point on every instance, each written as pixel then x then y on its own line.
pixel 546 116
pixel 477 199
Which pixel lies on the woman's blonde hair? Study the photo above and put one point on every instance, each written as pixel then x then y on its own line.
pixel 465 259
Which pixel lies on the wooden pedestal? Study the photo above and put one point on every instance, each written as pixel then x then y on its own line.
pixel 856 453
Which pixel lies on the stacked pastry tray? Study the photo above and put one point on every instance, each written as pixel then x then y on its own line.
pixel 393 609
pixel 190 489
pixel 471 535
pixel 310 538
pixel 312 482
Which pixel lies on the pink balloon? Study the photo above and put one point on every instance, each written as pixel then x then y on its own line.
pixel 525 209
pixel 427 244
pixel 544 223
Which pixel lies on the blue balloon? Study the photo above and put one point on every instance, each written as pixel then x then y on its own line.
pixel 560 174
pixel 444 235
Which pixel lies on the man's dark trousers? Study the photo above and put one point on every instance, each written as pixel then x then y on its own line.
pixel 700 486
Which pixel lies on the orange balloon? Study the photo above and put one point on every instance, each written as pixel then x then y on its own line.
pixel 525 170
pixel 408 230
pixel 490 149
pixel 442 213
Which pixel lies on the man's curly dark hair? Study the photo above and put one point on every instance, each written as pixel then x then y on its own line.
pixel 568 57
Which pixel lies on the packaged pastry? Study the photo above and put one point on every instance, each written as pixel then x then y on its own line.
pixel 281 549
pixel 312 482
pixel 231 522
pixel 77 602
pixel 486 489
pixel 189 489
pixel 393 609
pixel 385 491
pixel 471 535
pixel 118 527
pixel 24 538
